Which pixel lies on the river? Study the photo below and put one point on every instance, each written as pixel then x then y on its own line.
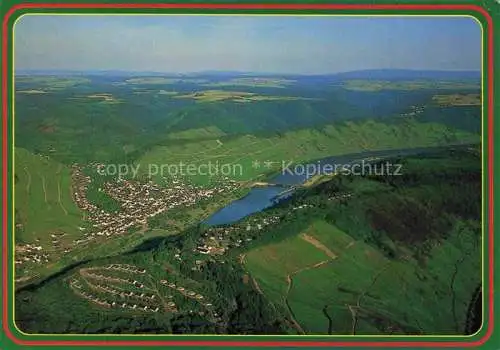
pixel 260 198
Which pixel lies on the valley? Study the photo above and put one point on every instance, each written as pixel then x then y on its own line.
pixel 160 204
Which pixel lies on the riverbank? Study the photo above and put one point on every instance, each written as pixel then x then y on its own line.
pixel 265 194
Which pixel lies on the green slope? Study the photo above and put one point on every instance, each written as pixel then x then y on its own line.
pixel 314 272
pixel 240 153
pixel 43 199
pixel 46 217
pixel 405 252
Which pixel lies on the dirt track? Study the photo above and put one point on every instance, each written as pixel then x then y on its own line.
pixel 318 244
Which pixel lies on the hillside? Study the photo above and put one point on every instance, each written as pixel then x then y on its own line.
pixel 240 153
pixel 340 254
pixel 44 200
pixel 47 218
pixel 351 267
pixel 342 257
pixel 118 118
pixel 243 159
pixel 409 74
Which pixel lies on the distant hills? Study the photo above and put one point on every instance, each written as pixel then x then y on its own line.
pixel 368 74
pixel 408 74
pixel 120 117
pixel 114 72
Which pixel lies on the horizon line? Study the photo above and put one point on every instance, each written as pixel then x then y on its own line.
pixel 215 71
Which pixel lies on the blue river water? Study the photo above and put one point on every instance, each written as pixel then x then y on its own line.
pixel 260 198
pixel 257 199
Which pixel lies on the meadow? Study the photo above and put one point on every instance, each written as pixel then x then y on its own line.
pixel 357 290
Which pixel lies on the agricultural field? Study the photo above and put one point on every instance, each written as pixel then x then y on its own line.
pixel 51 83
pixel 380 85
pixel 331 283
pixel 44 200
pixel 102 97
pixel 47 219
pixel 210 132
pixel 237 96
pixel 32 91
pixel 152 92
pixel 162 81
pixel 395 239
pixel 255 82
pixel 458 100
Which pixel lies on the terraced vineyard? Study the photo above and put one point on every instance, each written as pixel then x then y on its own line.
pixel 128 288
pixel 47 218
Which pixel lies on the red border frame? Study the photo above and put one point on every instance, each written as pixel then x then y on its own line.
pixel 5 116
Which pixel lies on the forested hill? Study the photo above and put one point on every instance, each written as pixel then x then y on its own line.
pixel 119 116
pixel 342 257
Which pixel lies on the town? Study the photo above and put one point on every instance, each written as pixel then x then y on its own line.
pixel 35 253
pixel 414 111
pixel 138 201
pixel 218 240
pixel 30 253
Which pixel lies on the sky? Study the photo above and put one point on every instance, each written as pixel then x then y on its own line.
pixel 270 44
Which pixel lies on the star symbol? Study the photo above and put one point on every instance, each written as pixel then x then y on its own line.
pixel 268 164
pixel 255 164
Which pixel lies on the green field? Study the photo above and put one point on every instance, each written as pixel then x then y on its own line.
pixel 210 132
pixel 379 85
pixel 47 219
pixel 236 96
pixel 51 83
pixel 162 81
pixel 255 82
pixel 457 100
pixel 44 203
pixel 102 97
pixel 363 292
pixel 32 91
